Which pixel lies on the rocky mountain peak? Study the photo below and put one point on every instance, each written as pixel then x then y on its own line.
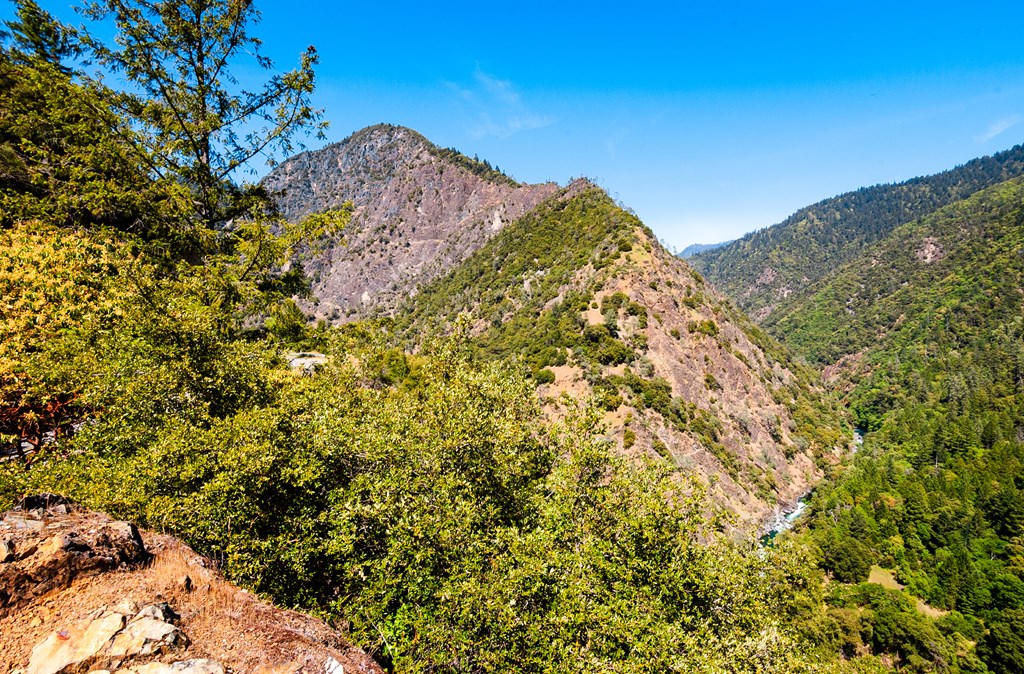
pixel 419 211
pixel 309 181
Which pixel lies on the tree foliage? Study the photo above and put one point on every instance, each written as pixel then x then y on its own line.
pixel 937 492
pixel 437 514
pixel 191 119
pixel 63 159
pixel 36 34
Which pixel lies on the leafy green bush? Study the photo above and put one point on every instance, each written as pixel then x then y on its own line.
pixel 848 560
pixel 706 327
pixel 64 160
pixel 439 518
pixel 544 376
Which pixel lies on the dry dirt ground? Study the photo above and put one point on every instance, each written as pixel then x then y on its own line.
pixel 61 565
pixel 887 579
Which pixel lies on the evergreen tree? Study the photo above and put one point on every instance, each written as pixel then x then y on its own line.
pixel 35 33
pixel 196 124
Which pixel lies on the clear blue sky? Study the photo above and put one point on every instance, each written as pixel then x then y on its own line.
pixel 708 119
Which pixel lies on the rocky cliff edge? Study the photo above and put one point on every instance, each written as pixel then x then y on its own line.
pixel 81 592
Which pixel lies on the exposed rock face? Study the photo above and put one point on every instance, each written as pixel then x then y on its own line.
pixel 40 557
pixel 417 215
pixel 930 251
pixel 82 593
pixel 107 639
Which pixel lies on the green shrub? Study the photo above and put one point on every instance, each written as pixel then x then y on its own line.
pixel 613 352
pixel 441 521
pixel 544 376
pixel 706 327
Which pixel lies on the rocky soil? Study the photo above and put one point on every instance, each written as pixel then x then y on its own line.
pixel 80 592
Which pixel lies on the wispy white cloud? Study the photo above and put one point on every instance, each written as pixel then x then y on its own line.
pixel 611 142
pixel 496 108
pixel 500 90
pixel 997 127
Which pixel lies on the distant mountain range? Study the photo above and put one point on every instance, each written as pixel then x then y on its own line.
pixel 962 263
pixel 695 248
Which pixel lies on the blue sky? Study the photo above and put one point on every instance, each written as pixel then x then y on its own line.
pixel 707 119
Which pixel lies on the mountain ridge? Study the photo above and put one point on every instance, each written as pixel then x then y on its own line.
pixel 584 294
pixel 695 248
pixel 763 268
pixel 908 275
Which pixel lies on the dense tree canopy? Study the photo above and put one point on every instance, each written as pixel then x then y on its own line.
pixel 937 383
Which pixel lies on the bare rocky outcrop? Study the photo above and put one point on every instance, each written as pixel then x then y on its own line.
pixel 109 637
pixel 40 556
pixel 417 215
pixel 84 593
pixel 930 251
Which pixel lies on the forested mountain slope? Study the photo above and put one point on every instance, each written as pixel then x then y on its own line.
pixel 950 280
pixel 584 293
pixel 419 210
pixel 763 268
pixel 929 328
